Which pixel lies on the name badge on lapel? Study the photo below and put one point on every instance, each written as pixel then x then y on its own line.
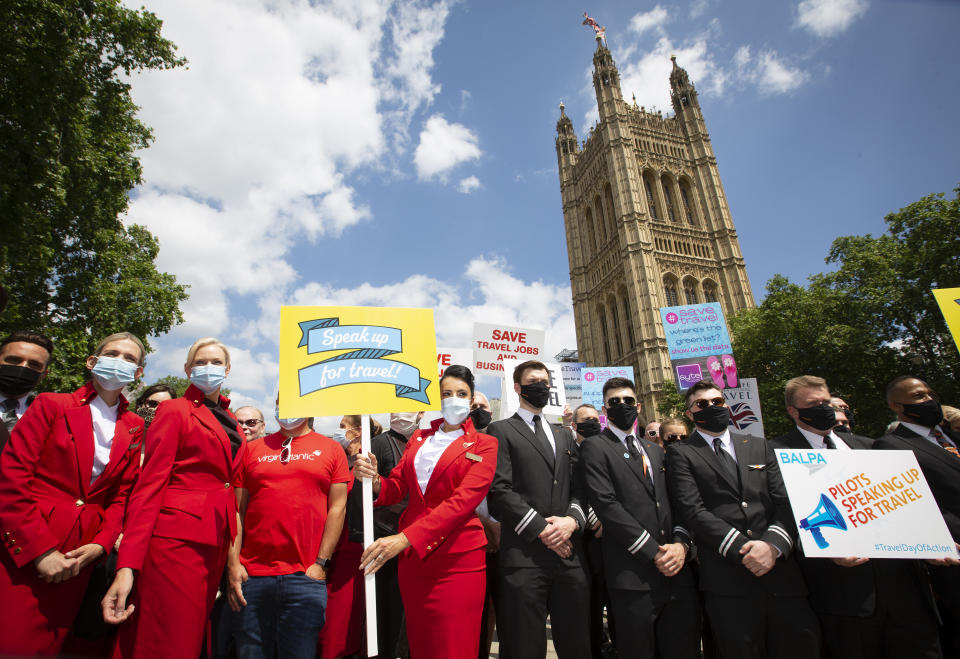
pixel 474 457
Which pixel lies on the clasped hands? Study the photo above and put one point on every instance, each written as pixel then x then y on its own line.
pixel 556 535
pixel 55 567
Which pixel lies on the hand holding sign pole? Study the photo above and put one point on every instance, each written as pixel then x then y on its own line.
pixel 358 360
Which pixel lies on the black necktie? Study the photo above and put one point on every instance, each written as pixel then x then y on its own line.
pixel 8 412
pixel 726 461
pixel 542 436
pixel 829 443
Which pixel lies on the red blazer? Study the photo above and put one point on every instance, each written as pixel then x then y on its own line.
pixel 444 517
pixel 46 499
pixel 184 491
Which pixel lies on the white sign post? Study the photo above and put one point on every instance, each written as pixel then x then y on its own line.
pixel 869 504
pixel 494 343
pixel 369 580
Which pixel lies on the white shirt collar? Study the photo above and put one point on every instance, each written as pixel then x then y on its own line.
pixel 923 431
pixel 724 439
pixel 527 415
pixel 817 441
pixel 621 434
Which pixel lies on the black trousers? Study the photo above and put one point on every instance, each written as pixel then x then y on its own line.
pixel 657 624
pixel 762 627
pixel 946 589
pixel 527 595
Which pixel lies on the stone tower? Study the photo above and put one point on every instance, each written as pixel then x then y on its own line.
pixel 647 226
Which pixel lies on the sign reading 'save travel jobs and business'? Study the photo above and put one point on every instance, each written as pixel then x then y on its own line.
pixel 494 343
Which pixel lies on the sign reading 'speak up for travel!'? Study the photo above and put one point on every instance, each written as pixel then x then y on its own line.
pixel 357 360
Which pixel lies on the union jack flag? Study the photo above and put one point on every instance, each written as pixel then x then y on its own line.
pixel 741 415
pixel 600 30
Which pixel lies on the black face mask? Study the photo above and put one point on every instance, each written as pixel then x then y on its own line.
pixel 821 417
pixel 147 414
pixel 589 428
pixel 15 381
pixel 481 418
pixel 622 416
pixel 537 394
pixel 713 418
pixel 926 414
pixel 841 428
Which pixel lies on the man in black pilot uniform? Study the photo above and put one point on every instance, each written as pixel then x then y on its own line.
pixel 919 412
pixel 538 503
pixel 726 489
pixel 868 608
pixel 652 592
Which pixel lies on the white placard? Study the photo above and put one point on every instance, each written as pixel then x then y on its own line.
pixel 870 504
pixel 494 343
pixel 450 356
pixel 510 402
pixel 744 403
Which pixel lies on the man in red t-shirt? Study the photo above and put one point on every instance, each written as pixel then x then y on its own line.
pixel 292 492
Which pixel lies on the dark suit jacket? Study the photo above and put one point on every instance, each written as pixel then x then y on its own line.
pixel 723 514
pixel 529 486
pixel 634 511
pixel 940 468
pixel 835 590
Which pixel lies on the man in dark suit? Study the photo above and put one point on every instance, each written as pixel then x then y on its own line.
pixel 537 500
pixel 726 489
pixel 919 413
pixel 652 590
pixel 868 608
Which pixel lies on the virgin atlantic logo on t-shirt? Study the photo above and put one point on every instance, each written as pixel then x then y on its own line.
pixel 293 457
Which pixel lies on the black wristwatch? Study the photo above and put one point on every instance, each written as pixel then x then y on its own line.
pixel 324 563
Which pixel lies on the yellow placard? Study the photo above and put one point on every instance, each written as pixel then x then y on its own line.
pixel 949 301
pixel 357 360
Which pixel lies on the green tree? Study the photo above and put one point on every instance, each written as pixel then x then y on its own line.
pixel 671 401
pixel 870 320
pixel 68 138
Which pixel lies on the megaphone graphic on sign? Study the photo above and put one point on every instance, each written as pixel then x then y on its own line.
pixel 826 514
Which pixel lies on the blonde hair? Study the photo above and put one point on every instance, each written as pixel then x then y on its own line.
pixel 950 413
pixel 202 343
pixel 120 336
pixel 802 382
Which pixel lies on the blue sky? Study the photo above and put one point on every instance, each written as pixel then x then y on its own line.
pixel 402 153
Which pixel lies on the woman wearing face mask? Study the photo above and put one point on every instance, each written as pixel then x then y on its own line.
pixel 292 490
pixel 446 471
pixel 181 517
pixel 64 480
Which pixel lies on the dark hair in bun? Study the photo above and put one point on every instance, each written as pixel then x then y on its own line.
pixel 459 372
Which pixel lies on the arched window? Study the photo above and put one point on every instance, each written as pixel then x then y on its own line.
pixel 687 200
pixel 627 319
pixel 690 291
pixel 611 211
pixel 668 198
pixel 590 236
pixel 648 184
pixel 616 349
pixel 604 335
pixel 709 291
pixel 670 292
pixel 601 220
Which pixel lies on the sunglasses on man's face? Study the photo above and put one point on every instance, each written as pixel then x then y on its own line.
pixel 614 401
pixel 704 403
pixel 150 403
pixel 673 437
pixel 250 423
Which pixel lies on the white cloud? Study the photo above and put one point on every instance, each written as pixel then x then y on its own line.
pixel 828 18
pixel 768 71
pixel 259 138
pixel 698 8
pixel 443 146
pixel 468 185
pixel 649 20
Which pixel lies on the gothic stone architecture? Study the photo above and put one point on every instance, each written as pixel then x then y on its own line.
pixel 647 226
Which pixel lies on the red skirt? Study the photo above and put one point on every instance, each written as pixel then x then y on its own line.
pixel 443 601
pixel 342 632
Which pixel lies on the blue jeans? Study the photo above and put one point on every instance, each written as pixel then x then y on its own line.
pixel 283 616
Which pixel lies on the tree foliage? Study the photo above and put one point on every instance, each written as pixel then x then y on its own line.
pixel 68 141
pixel 671 401
pixel 858 327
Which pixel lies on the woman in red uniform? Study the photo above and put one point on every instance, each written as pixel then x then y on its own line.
pixel 64 480
pixel 446 471
pixel 181 517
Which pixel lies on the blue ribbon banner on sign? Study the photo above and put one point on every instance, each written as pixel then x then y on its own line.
pixel 363 364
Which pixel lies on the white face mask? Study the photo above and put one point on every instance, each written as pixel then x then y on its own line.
pixel 288 424
pixel 404 423
pixel 455 410
pixel 340 436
